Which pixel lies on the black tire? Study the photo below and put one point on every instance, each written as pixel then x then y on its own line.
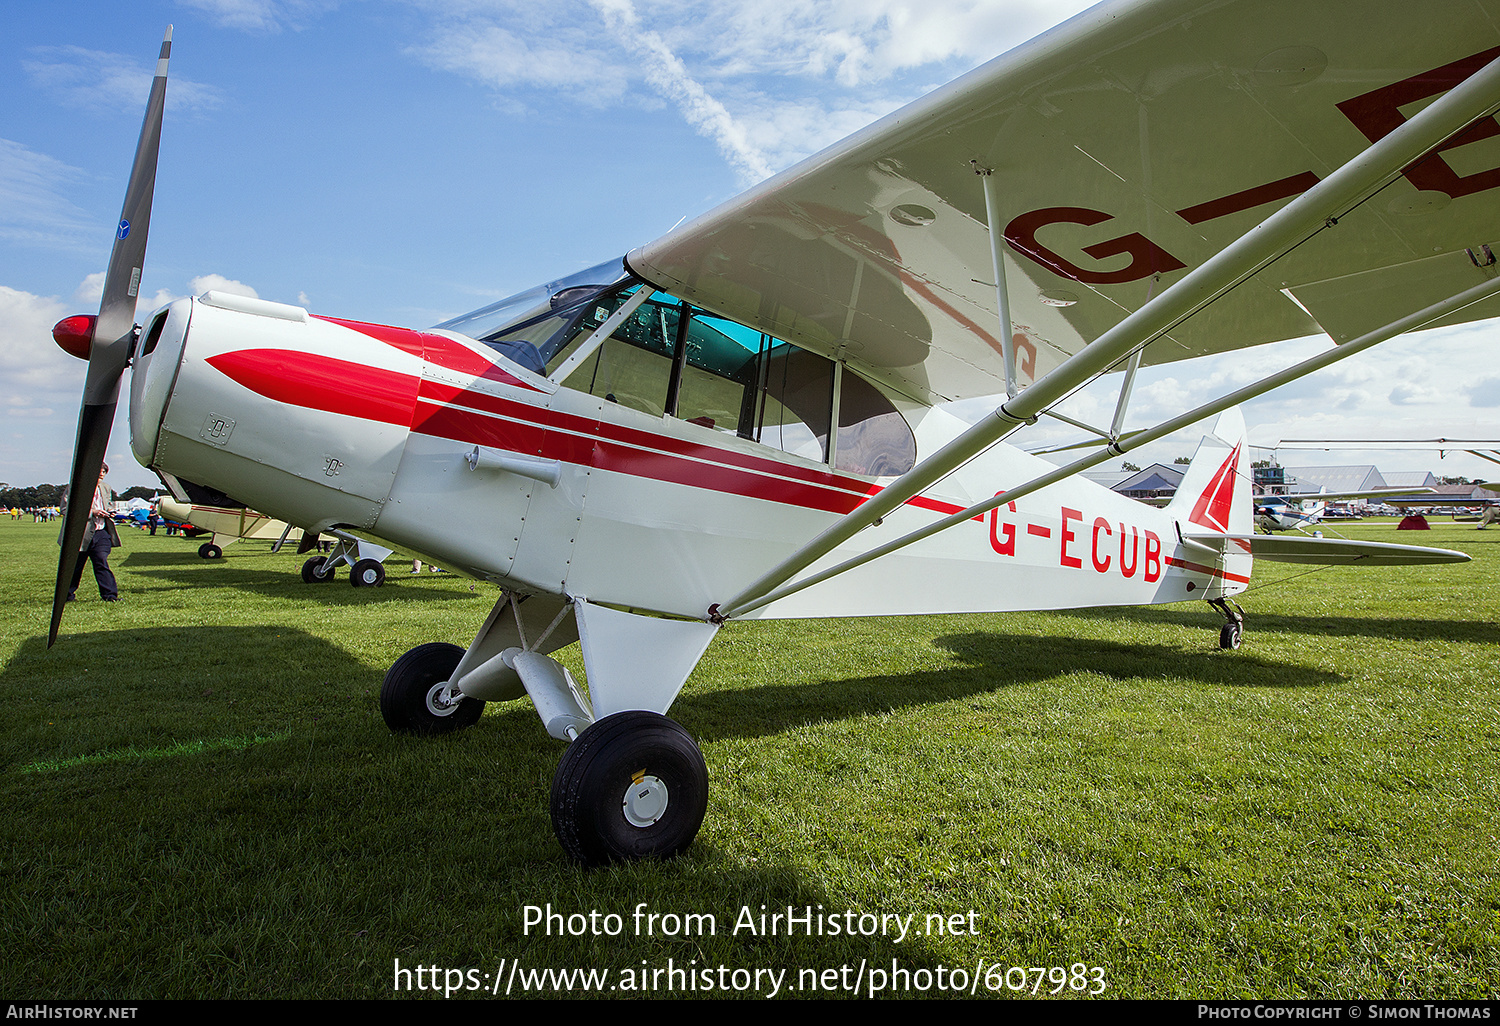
pixel 1231 634
pixel 592 790
pixel 313 571
pixel 413 681
pixel 208 550
pixel 367 573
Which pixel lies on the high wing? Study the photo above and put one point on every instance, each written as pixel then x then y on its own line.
pixel 1124 148
pixel 1368 493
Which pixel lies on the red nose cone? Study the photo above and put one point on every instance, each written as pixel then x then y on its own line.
pixel 75 334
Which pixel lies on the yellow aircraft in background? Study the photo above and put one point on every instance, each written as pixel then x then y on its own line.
pixel 228 525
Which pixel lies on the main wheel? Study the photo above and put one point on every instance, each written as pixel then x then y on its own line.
pixel 317 570
pixel 632 786
pixel 367 573
pixel 410 697
pixel 208 550
pixel 1231 634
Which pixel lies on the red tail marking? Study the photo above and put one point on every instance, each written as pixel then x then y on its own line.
pixel 1212 508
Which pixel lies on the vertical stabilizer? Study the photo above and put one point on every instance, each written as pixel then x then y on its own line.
pixel 1215 498
pixel 1215 491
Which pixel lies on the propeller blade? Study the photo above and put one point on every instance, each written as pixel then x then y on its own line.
pixel 113 334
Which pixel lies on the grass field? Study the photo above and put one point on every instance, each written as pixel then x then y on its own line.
pixel 201 799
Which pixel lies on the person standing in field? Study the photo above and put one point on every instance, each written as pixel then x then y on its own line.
pixel 98 538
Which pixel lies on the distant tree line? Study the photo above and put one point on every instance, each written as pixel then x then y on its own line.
pixel 32 496
pixel 51 495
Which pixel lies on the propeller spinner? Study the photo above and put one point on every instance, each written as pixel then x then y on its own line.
pixel 109 338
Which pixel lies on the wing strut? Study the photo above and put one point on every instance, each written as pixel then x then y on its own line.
pixel 1316 210
pixel 1323 359
pixel 1131 366
pixel 1002 292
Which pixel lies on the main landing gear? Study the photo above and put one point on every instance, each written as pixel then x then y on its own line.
pixel 632 784
pixel 363 558
pixel 1233 631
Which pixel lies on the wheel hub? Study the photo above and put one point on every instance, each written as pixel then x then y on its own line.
pixel 441 701
pixel 645 800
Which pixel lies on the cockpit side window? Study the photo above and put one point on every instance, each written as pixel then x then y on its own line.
pixel 671 358
pixel 796 402
pixel 634 365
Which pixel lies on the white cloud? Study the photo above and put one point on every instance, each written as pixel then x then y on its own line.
pixel 555 59
pixel 110 83
pixel 769 81
pixel 36 373
pixel 667 74
pixel 1484 393
pixel 90 292
pixel 218 283
pixel 33 209
pixel 262 16
pixel 195 287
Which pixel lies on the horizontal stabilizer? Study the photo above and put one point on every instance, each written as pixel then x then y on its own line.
pixel 1330 551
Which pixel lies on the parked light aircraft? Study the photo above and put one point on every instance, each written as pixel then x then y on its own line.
pixel 1298 510
pixel 1422 498
pixel 225 525
pixel 228 524
pixel 746 417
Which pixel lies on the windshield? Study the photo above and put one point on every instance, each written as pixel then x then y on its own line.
pixel 528 327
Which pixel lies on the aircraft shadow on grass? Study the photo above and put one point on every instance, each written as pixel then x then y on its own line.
pixel 137 560
pixel 1329 626
pixel 994 660
pixel 288 583
pixel 294 802
pixel 345 791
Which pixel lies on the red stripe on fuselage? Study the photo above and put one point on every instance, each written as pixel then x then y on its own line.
pixel 323 383
pixel 438 350
pixel 441 410
pixel 1211 571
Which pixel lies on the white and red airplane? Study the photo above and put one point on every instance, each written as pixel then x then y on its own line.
pixel 746 417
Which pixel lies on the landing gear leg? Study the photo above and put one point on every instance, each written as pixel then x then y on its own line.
pixel 632 786
pixel 1233 631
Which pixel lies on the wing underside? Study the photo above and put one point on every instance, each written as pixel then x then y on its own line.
pixel 1128 146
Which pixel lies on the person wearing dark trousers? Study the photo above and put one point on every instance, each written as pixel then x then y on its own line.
pixel 98 539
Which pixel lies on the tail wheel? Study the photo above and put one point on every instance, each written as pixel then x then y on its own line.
pixel 367 573
pixel 208 550
pixel 411 698
pixel 1231 634
pixel 317 570
pixel 632 786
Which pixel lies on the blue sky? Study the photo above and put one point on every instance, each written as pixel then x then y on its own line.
pixel 404 161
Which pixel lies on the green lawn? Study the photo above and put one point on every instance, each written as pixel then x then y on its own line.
pixel 201 798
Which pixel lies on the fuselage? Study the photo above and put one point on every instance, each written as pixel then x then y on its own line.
pixel 446 446
pixel 1281 515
